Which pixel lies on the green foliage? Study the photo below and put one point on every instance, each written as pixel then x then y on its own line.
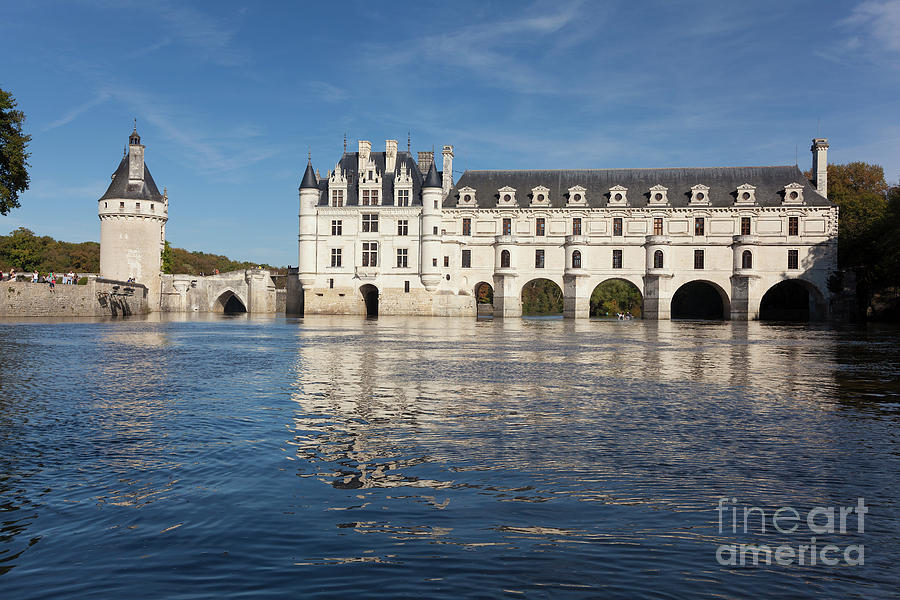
pixel 542 297
pixel 13 154
pixel 859 190
pixel 24 251
pixel 616 296
pixel 484 294
pixel 166 257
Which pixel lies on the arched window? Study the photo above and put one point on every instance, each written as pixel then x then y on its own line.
pixel 576 259
pixel 658 259
pixel 504 259
pixel 747 260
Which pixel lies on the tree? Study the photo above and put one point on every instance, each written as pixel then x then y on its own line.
pixel 615 296
pixel 13 155
pixel 167 257
pixel 23 250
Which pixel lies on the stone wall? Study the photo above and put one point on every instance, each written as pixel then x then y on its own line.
pixel 253 288
pixel 99 298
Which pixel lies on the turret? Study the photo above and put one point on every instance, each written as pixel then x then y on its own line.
pixel 820 164
pixel 133 216
pixel 432 197
pixel 309 198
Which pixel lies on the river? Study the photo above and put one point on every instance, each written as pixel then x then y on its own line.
pixel 335 457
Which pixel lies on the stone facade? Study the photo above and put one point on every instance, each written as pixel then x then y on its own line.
pixel 133 217
pixel 99 298
pixel 252 289
pixel 382 234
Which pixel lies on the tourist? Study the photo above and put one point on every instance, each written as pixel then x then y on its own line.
pixel 35 277
pixel 51 279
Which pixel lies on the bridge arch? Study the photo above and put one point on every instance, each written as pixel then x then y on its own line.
pixel 793 300
pixel 370 295
pixel 542 296
pixel 229 302
pixel 616 295
pixel 701 299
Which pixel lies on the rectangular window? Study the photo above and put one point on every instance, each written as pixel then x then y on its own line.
pixel 617 259
pixel 466 259
pixel 331 283
pixel 434 262
pixel 793 259
pixel 793 225
pixel 370 254
pixel 152 206
pixel 576 226
pixel 698 259
pixel 538 259
pixel 365 198
pixel 540 226
pixel 402 197
pixel 657 226
pixel 337 197
pixel 370 223
pixel 699 226
pixel 617 226
pixel 121 205
pixel 374 197
pixel 406 287
pixel 337 227
pixel 467 227
pixel 402 227
pixel 335 257
pixel 137 205
pixel 745 225
pixel 402 258
pixel 446 261
pixel 434 230
pixel 507 226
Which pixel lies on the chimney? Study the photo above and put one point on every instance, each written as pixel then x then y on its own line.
pixel 425 160
pixel 365 149
pixel 390 155
pixel 448 169
pixel 135 159
pixel 820 164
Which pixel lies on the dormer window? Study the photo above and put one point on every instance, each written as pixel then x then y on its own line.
pixel 617 195
pixel 793 193
pixel 700 195
pixel 746 194
pixel 577 196
pixel 507 196
pixel 659 195
pixel 403 186
pixel 466 196
pixel 337 185
pixel 540 196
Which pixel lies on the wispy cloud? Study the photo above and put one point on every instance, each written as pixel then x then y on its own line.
pixel 880 21
pixel 489 51
pixel 77 111
pixel 201 31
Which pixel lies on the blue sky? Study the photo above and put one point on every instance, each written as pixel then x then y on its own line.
pixel 229 95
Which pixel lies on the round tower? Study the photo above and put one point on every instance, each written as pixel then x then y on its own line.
pixel 309 198
pixel 432 196
pixel 133 217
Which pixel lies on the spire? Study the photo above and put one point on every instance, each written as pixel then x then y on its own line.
pixel 309 178
pixel 432 180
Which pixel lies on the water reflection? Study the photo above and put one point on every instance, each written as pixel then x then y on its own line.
pixel 435 457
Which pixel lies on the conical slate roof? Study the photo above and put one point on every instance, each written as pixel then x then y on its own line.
pixel 120 189
pixel 432 180
pixel 309 181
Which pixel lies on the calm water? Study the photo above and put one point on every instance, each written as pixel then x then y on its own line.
pixel 437 458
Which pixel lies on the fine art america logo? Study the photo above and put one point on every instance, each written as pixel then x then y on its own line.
pixel 820 520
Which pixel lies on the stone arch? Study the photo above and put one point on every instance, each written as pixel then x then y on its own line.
pixel 541 298
pixel 793 299
pixel 370 295
pixel 700 299
pixel 229 302
pixel 611 298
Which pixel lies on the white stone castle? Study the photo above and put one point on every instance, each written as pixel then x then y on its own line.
pixel 382 233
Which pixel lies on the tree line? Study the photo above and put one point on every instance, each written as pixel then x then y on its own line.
pixel 24 251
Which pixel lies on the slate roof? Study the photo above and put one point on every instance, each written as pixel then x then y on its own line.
pixel 119 188
pixel 309 178
pixel 722 182
pixel 349 163
pixel 432 179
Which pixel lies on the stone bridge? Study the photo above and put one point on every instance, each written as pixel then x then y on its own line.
pixel 250 290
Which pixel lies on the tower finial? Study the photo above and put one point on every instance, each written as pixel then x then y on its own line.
pixel 345 142
pixel 408 142
pixel 309 154
pixel 135 123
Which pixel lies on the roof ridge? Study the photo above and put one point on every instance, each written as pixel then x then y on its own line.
pixel 633 169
